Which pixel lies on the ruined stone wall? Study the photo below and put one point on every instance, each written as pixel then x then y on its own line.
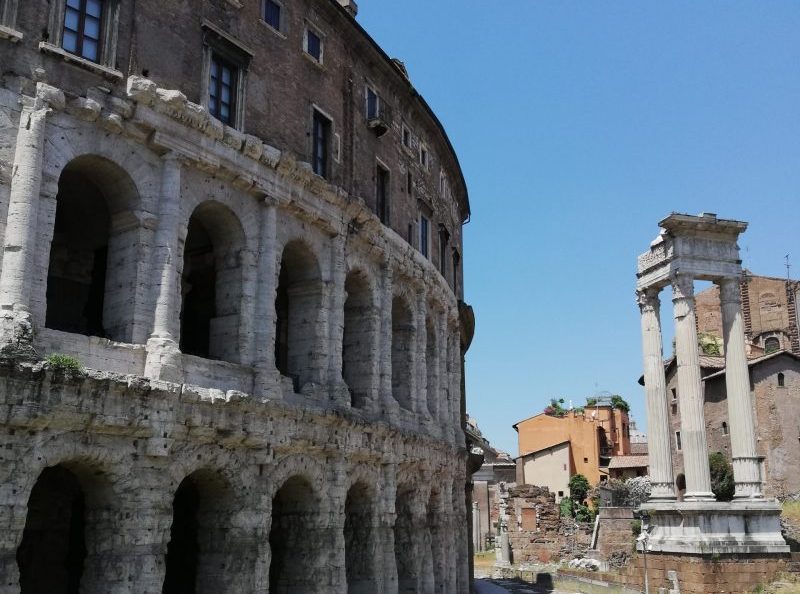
pixel 240 344
pixel 536 532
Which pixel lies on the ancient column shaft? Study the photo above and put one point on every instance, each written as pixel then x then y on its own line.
pixel 746 466
pixel 267 375
pixel 690 393
pixel 20 238
pixel 660 457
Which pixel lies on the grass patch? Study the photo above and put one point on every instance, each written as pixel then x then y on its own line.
pixel 485 559
pixel 66 363
pixel 791 511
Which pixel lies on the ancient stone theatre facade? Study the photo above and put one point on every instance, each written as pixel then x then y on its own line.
pixel 240 225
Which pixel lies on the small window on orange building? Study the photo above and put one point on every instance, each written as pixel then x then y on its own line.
pixel 586 460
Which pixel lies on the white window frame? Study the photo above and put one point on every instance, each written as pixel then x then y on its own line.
pixel 281 30
pixel 8 20
pixel 217 41
pixel 109 28
pixel 310 27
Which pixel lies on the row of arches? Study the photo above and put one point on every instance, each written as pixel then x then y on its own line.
pixel 71 522
pixel 94 280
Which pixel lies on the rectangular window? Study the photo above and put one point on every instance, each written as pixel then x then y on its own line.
pixel 81 35
pixel 456 262
pixel 444 239
pixel 410 235
pixel 222 90
pixel 678 440
pixel 313 45
pixel 674 394
pixel 382 194
pixel 409 183
pixel 424 235
pixel 423 156
pixel 321 139
pixel 271 13
pixel 372 104
pixel 406 137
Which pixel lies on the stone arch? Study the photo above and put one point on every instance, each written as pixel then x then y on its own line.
pixel 361 538
pixel 296 539
pixel 403 332
pixel 93 274
pixel 298 305
pixel 211 283
pixel 361 320
pixel 68 513
pixel 203 553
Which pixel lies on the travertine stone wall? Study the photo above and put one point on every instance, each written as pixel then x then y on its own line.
pixel 311 439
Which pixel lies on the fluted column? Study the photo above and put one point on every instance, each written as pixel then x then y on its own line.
pixel 20 238
pixel 690 390
pixel 655 385
pixel 746 466
pixel 163 352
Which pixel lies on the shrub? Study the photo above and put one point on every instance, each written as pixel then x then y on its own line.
pixel 565 508
pixel 67 363
pixel 637 490
pixel 636 527
pixel 620 403
pixel 721 477
pixel 578 487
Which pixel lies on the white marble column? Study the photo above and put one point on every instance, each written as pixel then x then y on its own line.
pixel 690 392
pixel 746 466
pixel 267 378
pixel 20 238
pixel 163 352
pixel 655 385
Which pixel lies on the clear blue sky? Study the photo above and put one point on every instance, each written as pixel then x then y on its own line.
pixel 579 125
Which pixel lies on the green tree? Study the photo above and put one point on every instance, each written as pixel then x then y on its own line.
pixel 578 488
pixel 721 476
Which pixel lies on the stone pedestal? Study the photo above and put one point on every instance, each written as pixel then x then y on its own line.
pixel 710 527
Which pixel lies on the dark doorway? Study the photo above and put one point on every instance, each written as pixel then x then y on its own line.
pixel 53 548
pixel 359 541
pixel 182 551
pixel 76 278
pixel 404 548
pixel 357 339
pixel 199 290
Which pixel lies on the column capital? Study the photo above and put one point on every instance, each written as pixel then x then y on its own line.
pixel 648 299
pixel 682 287
pixel 729 291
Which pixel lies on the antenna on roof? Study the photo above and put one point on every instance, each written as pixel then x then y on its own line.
pixel 788 267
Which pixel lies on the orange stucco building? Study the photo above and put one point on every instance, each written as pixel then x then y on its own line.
pixel 593 436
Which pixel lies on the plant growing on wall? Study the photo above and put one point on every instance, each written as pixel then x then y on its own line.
pixel 620 403
pixel 555 408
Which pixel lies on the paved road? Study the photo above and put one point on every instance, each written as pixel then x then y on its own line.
pixel 487 586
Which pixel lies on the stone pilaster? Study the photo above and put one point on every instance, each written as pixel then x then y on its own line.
pixel 660 458
pixel 385 536
pixel 267 377
pixel 690 392
pixel 163 352
pixel 19 248
pixel 390 405
pixel 340 394
pixel 746 466
pixel 421 347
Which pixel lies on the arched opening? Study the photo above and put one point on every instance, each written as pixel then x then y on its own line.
pixel 359 540
pixel 724 428
pixel 680 486
pixel 91 276
pixel 404 543
pixel 298 303
pixel 781 380
pixel 294 540
pixel 402 343
pixel 432 366
pixel 60 527
pixel 212 284
pixel 357 340
pixel 198 552
pixel 771 345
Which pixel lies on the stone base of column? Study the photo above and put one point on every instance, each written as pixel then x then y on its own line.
pixel 16 336
pixel 747 474
pixel 662 492
pixel 699 496
pixel 340 394
pixel 738 527
pixel 164 360
pixel 267 383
